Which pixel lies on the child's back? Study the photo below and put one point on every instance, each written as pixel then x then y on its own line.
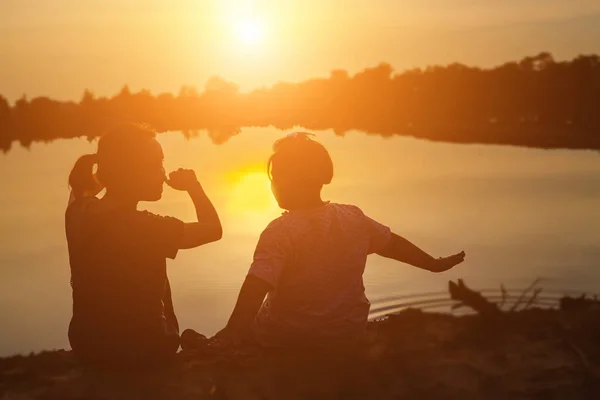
pixel 118 276
pixel 314 259
pixel 309 262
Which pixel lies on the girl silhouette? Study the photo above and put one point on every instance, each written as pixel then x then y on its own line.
pixel 122 307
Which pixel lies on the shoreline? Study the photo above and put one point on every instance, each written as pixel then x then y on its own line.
pixel 527 136
pixel 532 353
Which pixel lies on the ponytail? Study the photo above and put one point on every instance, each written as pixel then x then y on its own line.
pixel 82 179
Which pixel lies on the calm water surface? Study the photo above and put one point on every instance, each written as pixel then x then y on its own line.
pixel 518 213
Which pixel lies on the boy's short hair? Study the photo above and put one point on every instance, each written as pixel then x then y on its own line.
pixel 300 159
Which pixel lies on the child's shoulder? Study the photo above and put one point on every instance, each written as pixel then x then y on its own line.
pixel 290 219
pixel 78 206
pixel 350 209
pixel 276 228
pixel 279 222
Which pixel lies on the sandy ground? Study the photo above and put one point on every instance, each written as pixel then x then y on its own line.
pixel 532 354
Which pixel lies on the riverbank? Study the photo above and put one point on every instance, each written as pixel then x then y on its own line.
pixel 529 354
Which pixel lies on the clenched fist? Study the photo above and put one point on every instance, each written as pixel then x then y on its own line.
pixel 182 179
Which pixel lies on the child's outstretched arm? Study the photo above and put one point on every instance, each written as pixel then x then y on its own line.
pixel 208 228
pixel 404 251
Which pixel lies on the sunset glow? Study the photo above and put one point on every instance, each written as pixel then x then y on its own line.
pixel 250 32
pixel 250 192
pixel 227 197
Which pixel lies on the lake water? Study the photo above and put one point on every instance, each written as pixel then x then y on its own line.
pixel 518 213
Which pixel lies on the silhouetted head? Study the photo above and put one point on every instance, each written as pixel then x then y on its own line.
pixel 130 165
pixel 298 169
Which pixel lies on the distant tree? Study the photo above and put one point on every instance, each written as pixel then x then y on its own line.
pixel 536 101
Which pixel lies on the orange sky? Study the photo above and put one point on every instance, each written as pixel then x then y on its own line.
pixel 57 48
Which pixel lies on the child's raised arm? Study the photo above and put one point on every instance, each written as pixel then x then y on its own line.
pixel 404 251
pixel 208 228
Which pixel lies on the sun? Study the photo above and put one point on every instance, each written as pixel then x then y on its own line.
pixel 248 25
pixel 249 200
pixel 249 192
pixel 250 31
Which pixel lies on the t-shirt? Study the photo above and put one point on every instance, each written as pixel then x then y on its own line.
pixel 314 259
pixel 118 277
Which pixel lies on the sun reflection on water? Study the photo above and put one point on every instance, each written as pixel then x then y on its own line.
pixel 250 199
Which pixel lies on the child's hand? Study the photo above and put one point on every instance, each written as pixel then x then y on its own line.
pixel 98 187
pixel 182 179
pixel 226 337
pixel 445 263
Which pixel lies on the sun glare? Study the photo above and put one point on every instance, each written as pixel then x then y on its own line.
pixel 250 193
pixel 250 31
pixel 248 25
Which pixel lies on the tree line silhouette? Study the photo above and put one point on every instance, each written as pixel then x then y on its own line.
pixel 535 102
